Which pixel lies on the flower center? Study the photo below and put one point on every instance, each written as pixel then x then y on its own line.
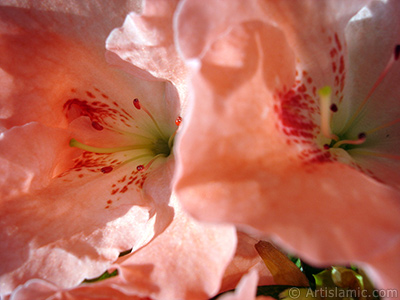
pixel 328 109
pixel 154 147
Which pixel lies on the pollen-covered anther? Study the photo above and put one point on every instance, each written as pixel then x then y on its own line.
pixel 333 108
pixel 397 52
pixel 178 120
pixel 136 103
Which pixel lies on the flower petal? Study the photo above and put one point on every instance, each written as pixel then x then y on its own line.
pixel 144 45
pixel 246 289
pixel 41 290
pixel 246 258
pixel 188 258
pixel 199 25
pixel 22 173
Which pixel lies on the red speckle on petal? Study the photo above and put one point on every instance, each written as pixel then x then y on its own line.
pixel 90 94
pixel 140 167
pixel 334 67
pixel 337 41
pixel 136 103
pixel 107 169
pixel 341 66
pixel 124 189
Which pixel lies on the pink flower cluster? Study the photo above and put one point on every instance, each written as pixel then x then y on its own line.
pixel 180 133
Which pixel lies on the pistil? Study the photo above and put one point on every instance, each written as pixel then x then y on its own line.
pixel 325 95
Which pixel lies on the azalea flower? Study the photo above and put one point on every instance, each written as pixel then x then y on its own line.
pixel 87 150
pixel 294 126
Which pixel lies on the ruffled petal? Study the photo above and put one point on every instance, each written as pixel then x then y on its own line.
pixel 144 46
pixel 187 261
pixel 33 169
pixel 246 289
pixel 246 258
pixel 199 25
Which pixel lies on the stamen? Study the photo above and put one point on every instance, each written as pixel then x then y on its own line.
pixel 383 155
pixel 178 122
pixel 362 137
pixel 389 65
pixel 148 165
pixel 76 144
pixel 138 106
pixel 383 126
pixel 325 100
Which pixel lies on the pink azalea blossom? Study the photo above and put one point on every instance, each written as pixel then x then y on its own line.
pixel 265 153
pixel 86 149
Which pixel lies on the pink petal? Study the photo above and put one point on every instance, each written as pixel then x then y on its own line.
pixel 144 45
pixel 187 261
pixel 33 169
pixel 199 25
pixel 246 289
pixel 246 258
pixel 41 290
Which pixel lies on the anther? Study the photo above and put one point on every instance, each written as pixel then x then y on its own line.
pixel 333 108
pixel 178 121
pixel 362 136
pixel 397 52
pixel 136 103
pixel 107 169
pixel 97 126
